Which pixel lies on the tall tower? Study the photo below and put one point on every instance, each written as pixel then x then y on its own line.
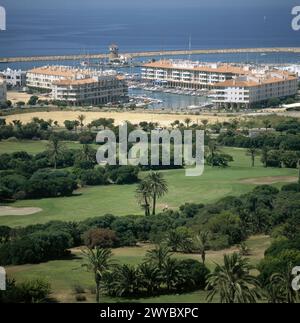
pixel 113 52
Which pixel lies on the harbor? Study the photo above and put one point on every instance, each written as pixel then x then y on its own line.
pixel 101 56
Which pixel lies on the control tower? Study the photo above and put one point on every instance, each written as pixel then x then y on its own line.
pixel 113 52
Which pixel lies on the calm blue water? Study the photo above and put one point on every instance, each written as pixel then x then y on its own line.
pixel 72 26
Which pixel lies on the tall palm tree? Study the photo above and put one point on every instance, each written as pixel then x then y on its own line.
pixel 201 242
pixel 233 282
pixel 281 284
pixel 143 194
pixel 252 152
pixel 158 256
pixel 158 187
pixel 55 149
pixel 187 121
pixel 81 119
pixel 99 261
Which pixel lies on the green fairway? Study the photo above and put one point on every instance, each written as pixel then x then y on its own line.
pixel 120 200
pixel 65 274
pixel 32 147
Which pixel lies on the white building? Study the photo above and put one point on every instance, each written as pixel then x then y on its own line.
pixel 14 78
pixel 244 91
pixel 232 85
pixel 3 96
pixel 188 74
pixel 78 86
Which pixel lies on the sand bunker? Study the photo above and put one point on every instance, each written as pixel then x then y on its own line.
pixel 269 180
pixel 7 210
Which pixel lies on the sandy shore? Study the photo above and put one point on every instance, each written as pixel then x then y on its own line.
pixel 120 117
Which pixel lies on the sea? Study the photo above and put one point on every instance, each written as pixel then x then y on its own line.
pixel 86 27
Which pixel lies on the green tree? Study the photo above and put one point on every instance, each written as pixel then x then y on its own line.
pixel 149 277
pixel 252 152
pixel 187 121
pixel 233 282
pixel 81 119
pixel 159 255
pixel 99 261
pixel 201 244
pixel 158 187
pixel 143 194
pixel 280 284
pixel 55 149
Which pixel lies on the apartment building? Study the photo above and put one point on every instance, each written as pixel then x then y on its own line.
pixel 3 96
pixel 78 86
pixel 188 74
pixel 92 91
pixel 14 78
pixel 245 91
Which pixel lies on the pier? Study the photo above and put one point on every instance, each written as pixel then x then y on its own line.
pixel 151 54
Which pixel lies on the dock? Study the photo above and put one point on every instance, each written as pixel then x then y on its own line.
pixel 295 50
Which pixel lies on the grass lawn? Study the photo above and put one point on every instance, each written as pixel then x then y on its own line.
pixel 32 147
pixel 65 274
pixel 120 200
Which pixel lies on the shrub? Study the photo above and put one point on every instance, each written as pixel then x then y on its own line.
pixel 49 183
pixel 30 291
pixel 294 187
pixel 195 274
pixel 35 248
pixel 103 238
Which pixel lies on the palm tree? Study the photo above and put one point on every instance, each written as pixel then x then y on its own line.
pixel 87 153
pixel 233 282
pixel 179 241
pixel 17 124
pixel 55 149
pixel 98 262
pixel 158 187
pixel 150 277
pixel 281 284
pixel 188 121
pixel 201 242
pixel 158 256
pixel 125 280
pixel 143 194
pixel 212 150
pixel 205 123
pixel 252 152
pixel 81 119
pixel 171 273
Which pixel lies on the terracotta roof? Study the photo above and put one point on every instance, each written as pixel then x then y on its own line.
pixel 58 71
pixel 256 82
pixel 221 68
pixel 76 82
